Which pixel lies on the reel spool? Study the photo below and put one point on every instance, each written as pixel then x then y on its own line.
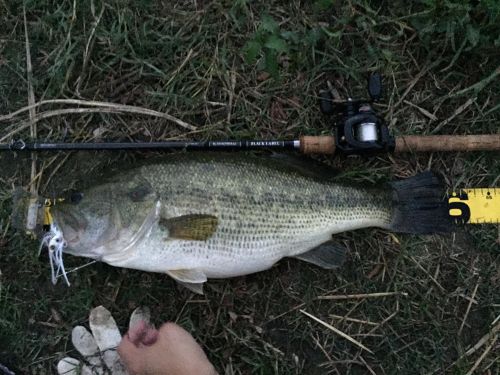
pixel 361 131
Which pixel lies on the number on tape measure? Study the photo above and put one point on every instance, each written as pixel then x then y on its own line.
pixel 475 206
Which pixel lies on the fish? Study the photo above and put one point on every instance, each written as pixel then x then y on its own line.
pixel 198 216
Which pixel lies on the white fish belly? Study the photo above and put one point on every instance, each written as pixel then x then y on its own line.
pixel 220 257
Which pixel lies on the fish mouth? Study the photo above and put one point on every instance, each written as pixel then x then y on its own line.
pixel 73 240
pixel 72 226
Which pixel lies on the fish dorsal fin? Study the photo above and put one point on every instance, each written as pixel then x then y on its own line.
pixel 304 166
pixel 195 227
pixel 328 255
pixel 188 275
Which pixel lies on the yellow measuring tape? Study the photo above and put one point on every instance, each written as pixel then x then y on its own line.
pixel 475 206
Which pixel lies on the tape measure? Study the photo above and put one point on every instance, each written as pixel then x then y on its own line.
pixel 475 206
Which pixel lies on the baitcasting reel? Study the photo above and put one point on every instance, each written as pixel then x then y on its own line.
pixel 361 131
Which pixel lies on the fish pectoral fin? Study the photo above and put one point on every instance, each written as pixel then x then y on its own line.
pixel 195 227
pixel 193 287
pixel 191 276
pixel 328 255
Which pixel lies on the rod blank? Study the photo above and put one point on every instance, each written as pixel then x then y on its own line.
pixel 167 145
pixel 307 144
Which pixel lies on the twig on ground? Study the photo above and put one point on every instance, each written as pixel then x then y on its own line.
pixel 231 95
pixel 361 296
pixel 483 356
pixel 179 68
pixel 111 106
pixel 88 48
pixel 338 332
pixel 457 112
pixel 47 114
pixel 423 111
pixel 428 274
pixel 478 86
pixel 468 307
pixel 32 210
pixel 491 335
pixel 496 320
pixel 483 340
pixel 414 82
pixel 316 340
pixel 352 320
pixel 367 366
pixel 384 321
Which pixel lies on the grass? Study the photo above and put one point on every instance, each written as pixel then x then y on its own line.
pixel 194 60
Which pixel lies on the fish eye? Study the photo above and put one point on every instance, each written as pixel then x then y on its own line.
pixel 75 197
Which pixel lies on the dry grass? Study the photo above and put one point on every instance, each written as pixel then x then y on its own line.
pixel 436 307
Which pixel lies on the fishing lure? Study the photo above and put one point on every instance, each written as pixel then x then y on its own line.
pixel 54 241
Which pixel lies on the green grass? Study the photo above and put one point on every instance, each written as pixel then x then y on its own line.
pixel 194 60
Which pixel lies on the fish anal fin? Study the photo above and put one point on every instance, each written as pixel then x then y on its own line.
pixel 328 255
pixel 191 275
pixel 193 287
pixel 197 227
pixel 192 279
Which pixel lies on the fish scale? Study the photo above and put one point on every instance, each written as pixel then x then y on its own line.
pixel 259 229
pixel 252 211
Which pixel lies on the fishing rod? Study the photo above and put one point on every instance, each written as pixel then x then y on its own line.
pixel 327 145
pixel 359 130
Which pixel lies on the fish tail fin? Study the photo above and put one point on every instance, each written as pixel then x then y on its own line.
pixel 420 205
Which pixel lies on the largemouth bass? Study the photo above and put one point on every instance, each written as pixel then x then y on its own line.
pixel 196 216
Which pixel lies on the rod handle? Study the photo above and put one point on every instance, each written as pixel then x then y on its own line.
pixel 430 143
pixel 324 144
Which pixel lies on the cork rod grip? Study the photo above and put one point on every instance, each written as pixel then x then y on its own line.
pixel 324 144
pixel 413 143
pixel 430 143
